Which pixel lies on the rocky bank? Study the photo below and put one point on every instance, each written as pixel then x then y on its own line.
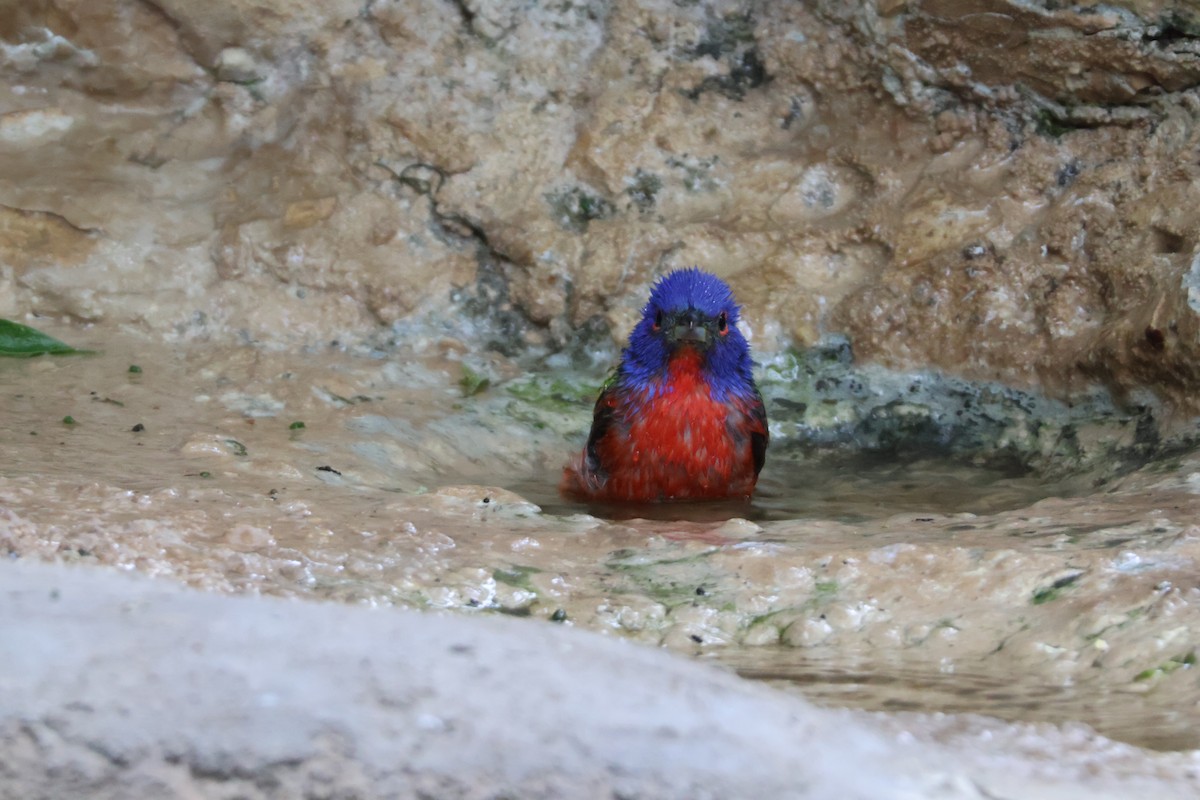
pixel 964 232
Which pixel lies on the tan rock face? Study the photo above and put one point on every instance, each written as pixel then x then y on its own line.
pixel 995 189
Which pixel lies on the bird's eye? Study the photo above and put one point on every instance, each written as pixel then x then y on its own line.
pixel 658 320
pixel 722 324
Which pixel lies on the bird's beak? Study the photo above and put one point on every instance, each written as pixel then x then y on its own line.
pixel 693 327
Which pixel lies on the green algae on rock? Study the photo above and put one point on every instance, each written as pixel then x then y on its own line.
pixel 820 399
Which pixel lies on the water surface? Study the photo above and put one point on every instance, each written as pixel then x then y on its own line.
pixel 895 583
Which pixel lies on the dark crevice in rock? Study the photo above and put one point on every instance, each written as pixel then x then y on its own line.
pixel 489 299
pixel 427 180
pixel 1175 26
pixel 747 73
pixel 188 40
pixel 464 11
pixel 32 212
pixel 730 39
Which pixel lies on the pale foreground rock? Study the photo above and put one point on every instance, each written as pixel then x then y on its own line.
pixel 120 687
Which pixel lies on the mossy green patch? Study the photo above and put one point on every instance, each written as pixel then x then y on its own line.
pixel 663 577
pixel 1050 125
pixel 575 208
pixel 472 382
pixel 696 173
pixel 543 402
pixel 516 576
pixel 762 619
pixel 553 393
pixel 826 588
pixel 632 559
pixel 1184 661
pixel 643 189
pixel 1055 590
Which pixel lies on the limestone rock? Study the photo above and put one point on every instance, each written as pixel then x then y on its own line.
pixel 996 188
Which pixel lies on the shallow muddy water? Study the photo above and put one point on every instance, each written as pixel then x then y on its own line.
pixel 844 489
pixel 882 583
pixel 1127 714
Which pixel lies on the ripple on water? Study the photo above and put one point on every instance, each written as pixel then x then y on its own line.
pixel 843 488
pixel 1134 714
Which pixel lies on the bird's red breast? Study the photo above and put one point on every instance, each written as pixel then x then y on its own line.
pixel 670 441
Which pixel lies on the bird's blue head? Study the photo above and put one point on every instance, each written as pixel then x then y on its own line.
pixel 689 308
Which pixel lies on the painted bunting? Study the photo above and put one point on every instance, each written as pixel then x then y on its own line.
pixel 680 418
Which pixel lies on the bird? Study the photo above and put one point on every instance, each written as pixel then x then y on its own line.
pixel 680 418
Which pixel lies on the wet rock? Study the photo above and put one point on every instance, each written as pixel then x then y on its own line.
pixel 238 66
pixel 822 400
pixel 1076 57
pixel 249 538
pixel 391 703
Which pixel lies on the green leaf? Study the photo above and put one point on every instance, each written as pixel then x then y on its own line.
pixel 21 341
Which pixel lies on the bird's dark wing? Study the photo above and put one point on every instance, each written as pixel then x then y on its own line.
pixel 603 417
pixel 759 435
